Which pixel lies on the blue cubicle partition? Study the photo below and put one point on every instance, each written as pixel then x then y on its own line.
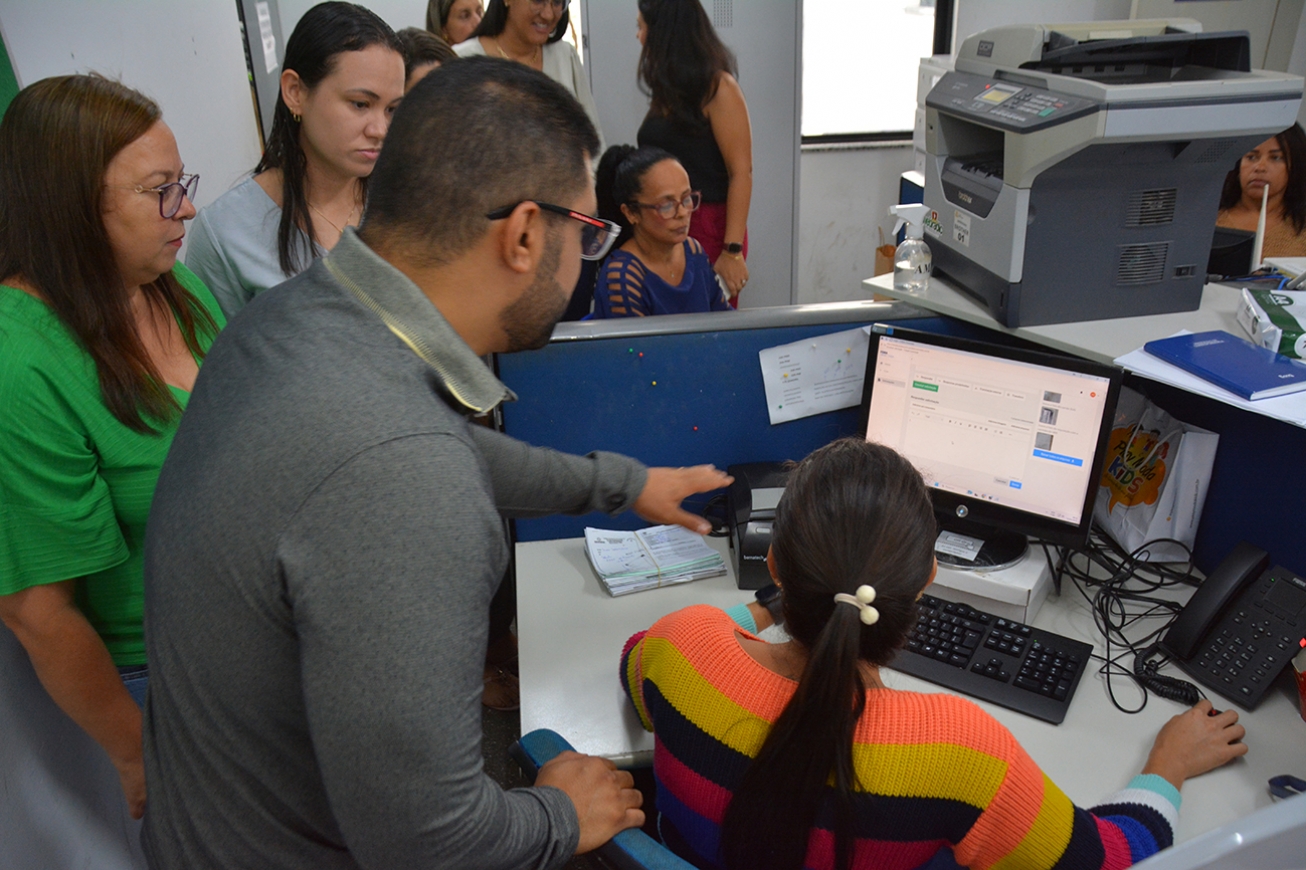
pixel 687 389
pixel 679 390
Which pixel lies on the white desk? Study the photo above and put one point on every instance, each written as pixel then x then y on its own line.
pixel 1100 340
pixel 570 634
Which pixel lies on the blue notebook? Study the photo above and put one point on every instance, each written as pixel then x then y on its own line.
pixel 1234 363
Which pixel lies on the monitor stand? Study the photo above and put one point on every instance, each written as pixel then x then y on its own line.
pixel 997 548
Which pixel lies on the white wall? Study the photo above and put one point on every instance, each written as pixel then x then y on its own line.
pixel 185 54
pixel 846 195
pixel 611 47
pixel 397 13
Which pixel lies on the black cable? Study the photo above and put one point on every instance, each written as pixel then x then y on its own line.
pixel 715 513
pixel 1145 671
pixel 1123 605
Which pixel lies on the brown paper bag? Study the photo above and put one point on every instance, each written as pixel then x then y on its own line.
pixel 883 264
pixel 883 256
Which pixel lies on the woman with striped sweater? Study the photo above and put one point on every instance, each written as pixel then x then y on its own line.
pixel 796 755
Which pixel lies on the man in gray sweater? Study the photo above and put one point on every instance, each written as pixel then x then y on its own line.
pixel 327 532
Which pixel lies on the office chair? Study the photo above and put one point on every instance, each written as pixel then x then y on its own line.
pixel 629 850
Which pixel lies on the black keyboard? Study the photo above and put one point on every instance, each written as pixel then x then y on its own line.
pixel 1011 664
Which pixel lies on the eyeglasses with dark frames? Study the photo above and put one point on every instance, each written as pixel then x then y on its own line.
pixel 596 234
pixel 560 5
pixel 170 195
pixel 667 210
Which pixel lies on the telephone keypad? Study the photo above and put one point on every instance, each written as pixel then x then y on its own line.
pixel 1253 641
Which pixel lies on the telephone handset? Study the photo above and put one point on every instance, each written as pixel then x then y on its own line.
pixel 1241 627
pixel 1238 568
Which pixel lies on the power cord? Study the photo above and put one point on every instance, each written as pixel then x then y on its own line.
pixel 715 512
pixel 1123 605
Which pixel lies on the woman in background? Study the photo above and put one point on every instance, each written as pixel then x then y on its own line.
pixel 103 333
pixel 454 21
pixel 791 755
pixel 697 112
pixel 657 268
pixel 530 32
pixel 343 78
pixel 1279 165
pixel 423 52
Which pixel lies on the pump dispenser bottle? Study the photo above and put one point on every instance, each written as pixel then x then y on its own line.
pixel 912 261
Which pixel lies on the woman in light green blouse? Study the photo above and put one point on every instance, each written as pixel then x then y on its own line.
pixel 103 332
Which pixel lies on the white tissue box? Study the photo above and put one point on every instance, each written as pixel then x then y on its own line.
pixel 1275 319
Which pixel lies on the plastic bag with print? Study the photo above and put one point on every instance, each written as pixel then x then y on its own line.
pixel 1154 479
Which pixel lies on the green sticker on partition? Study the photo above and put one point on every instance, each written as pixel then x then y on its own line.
pixel 921 385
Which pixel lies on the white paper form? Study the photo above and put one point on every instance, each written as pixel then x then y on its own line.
pixel 816 375
pixel 673 547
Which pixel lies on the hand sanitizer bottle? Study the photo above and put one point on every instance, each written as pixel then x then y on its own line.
pixel 912 262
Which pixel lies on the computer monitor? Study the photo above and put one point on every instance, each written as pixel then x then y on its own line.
pixel 1010 441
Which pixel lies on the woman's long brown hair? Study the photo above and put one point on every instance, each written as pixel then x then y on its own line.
pixel 57 139
pixel 853 513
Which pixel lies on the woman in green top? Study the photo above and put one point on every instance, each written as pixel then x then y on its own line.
pixel 101 334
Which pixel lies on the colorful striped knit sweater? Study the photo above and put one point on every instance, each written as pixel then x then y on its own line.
pixel 934 770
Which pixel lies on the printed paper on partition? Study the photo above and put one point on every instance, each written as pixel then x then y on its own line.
pixel 815 375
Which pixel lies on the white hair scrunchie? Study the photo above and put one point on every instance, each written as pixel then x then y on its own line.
pixel 862 601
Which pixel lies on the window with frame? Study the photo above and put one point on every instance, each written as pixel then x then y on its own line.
pixel 860 61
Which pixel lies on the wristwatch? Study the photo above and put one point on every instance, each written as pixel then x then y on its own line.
pixel 734 249
pixel 771 598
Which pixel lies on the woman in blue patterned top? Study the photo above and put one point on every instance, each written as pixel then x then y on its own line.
pixel 656 268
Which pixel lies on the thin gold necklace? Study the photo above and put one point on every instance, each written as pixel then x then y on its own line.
pixel 535 54
pixel 334 226
pixel 671 264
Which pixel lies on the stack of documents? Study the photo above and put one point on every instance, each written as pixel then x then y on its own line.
pixel 657 556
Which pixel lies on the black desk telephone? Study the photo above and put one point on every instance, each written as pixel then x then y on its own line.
pixel 1241 627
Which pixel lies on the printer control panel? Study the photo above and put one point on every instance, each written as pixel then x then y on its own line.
pixel 1008 105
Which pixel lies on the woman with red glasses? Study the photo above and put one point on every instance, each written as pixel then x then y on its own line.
pixel 697 112
pixel 658 268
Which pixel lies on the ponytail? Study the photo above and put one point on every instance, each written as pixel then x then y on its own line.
pixel 768 822
pixel 854 513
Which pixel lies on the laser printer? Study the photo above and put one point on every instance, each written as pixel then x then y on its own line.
pixel 1073 171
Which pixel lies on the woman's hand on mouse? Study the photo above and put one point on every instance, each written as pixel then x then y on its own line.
pixel 1195 741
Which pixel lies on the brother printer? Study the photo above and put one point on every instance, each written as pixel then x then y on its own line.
pixel 1074 170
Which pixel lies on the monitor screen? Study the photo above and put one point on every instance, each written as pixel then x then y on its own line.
pixel 1002 436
